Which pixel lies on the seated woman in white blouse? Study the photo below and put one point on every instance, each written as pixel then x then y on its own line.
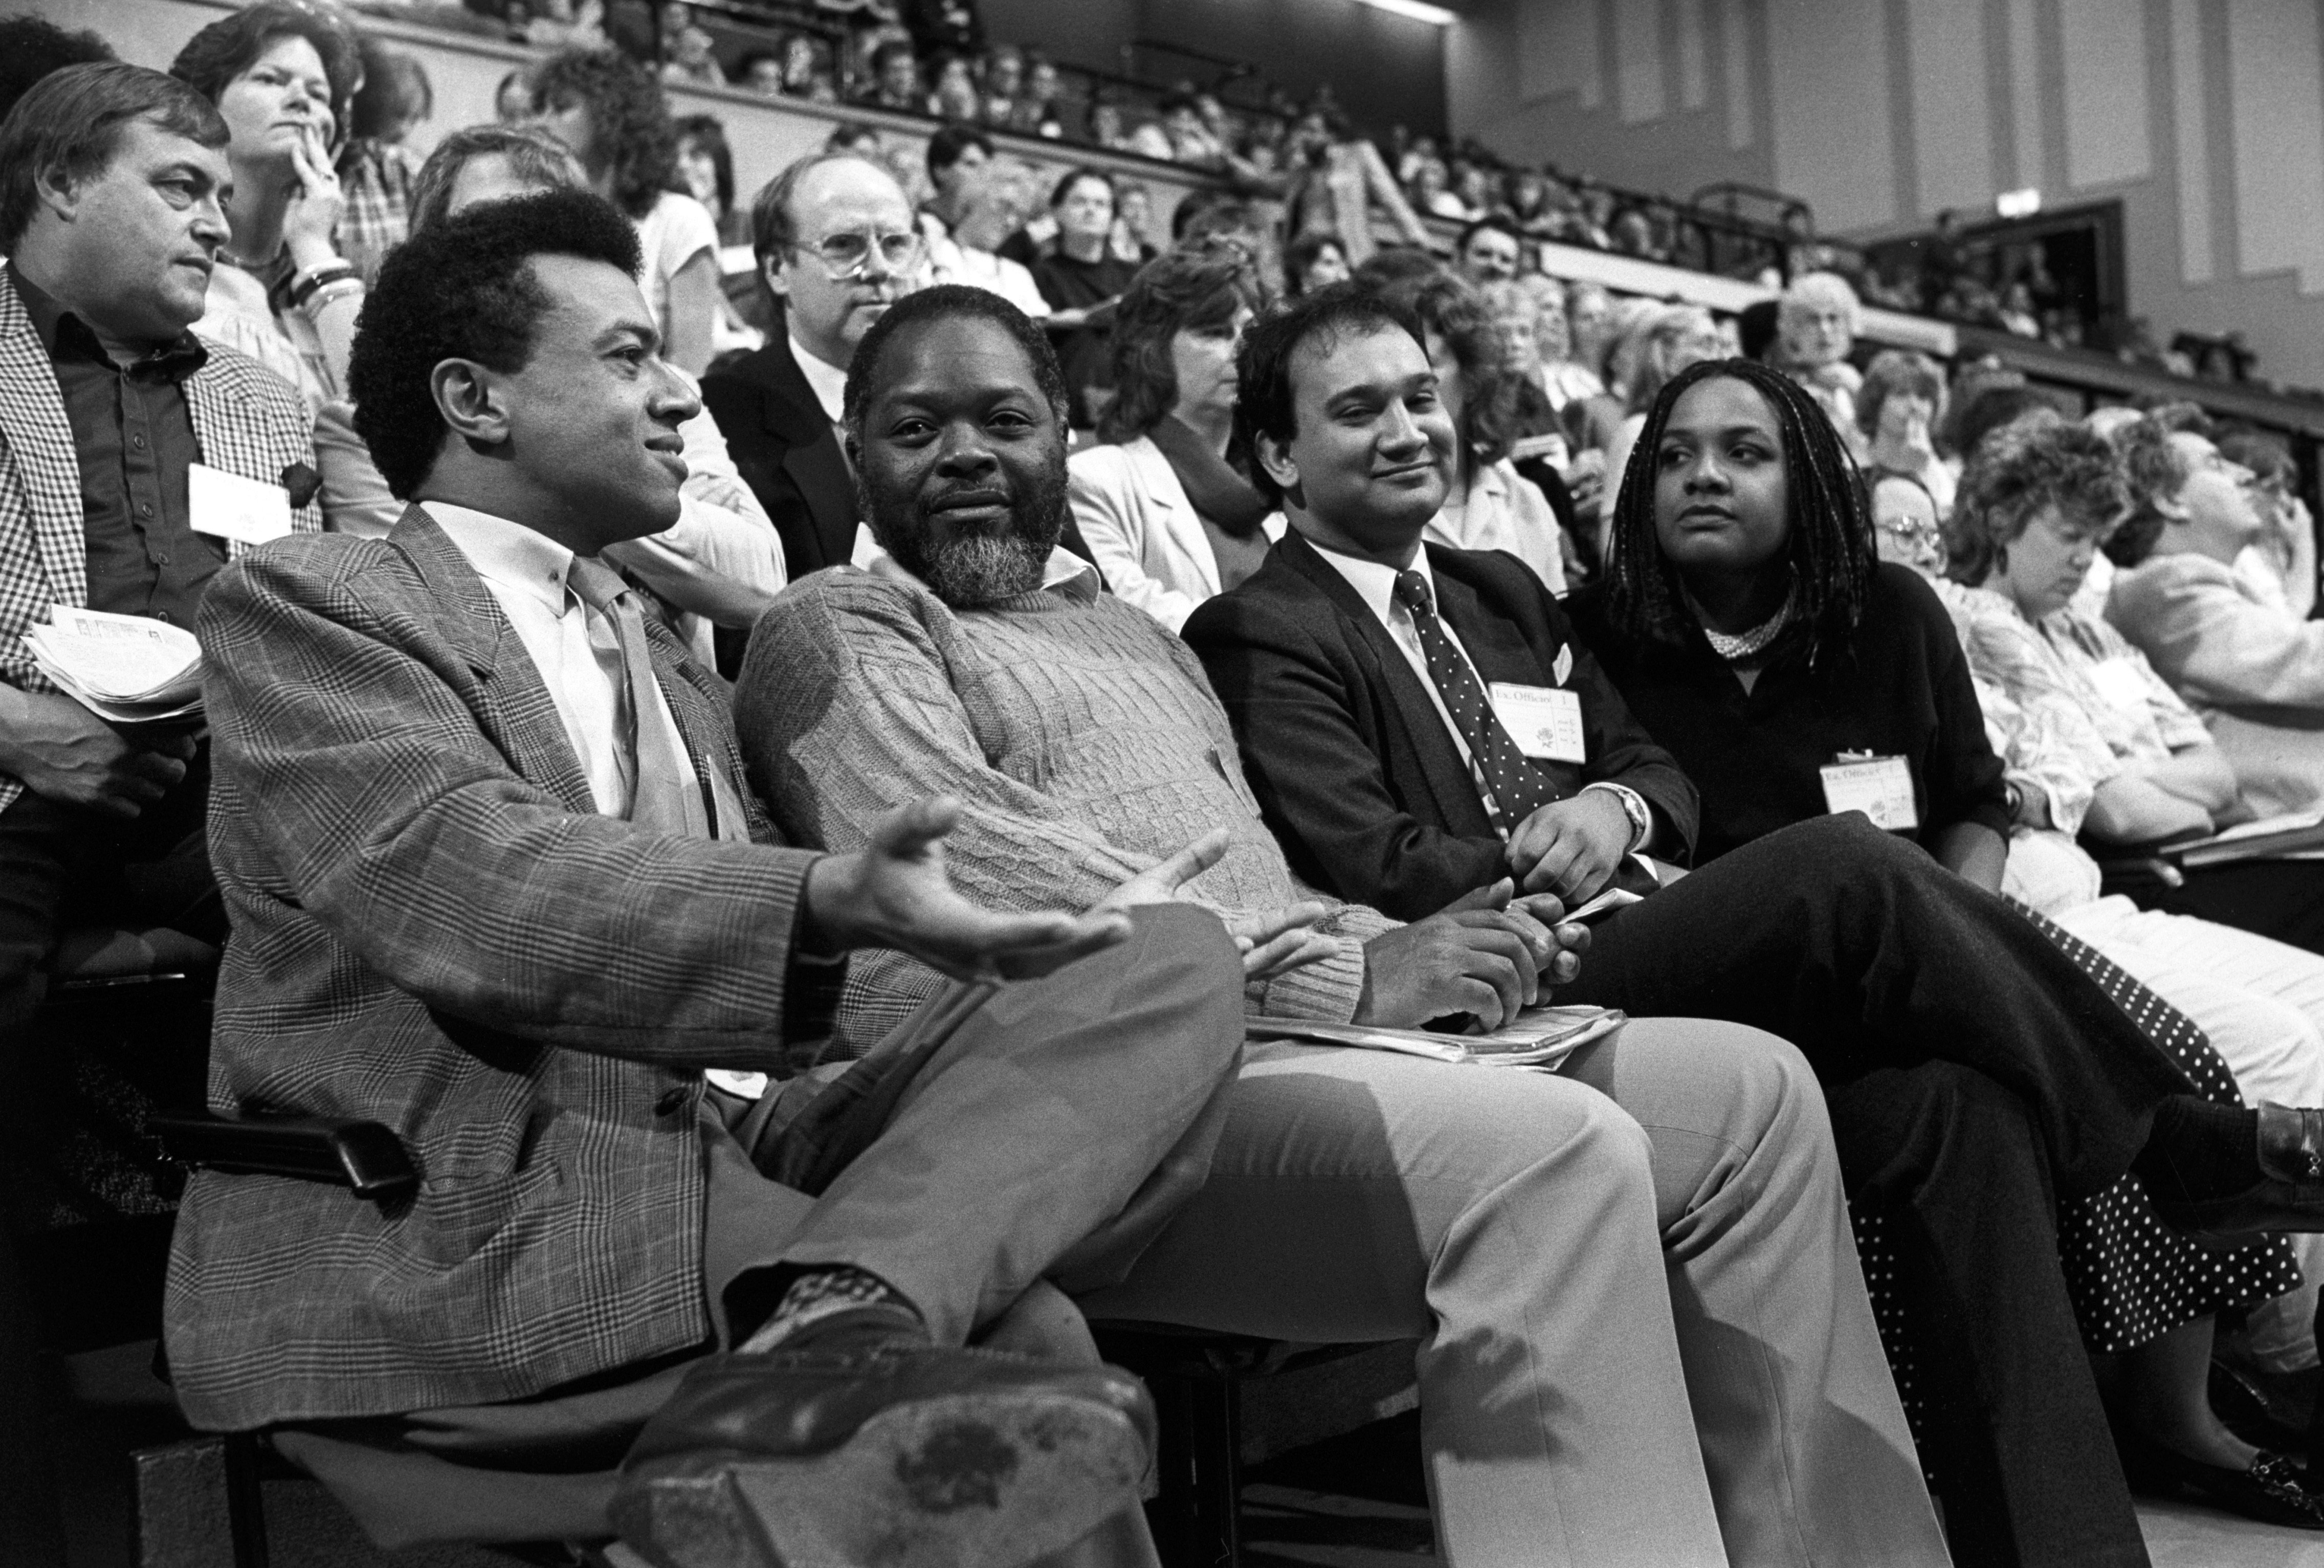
pixel 1167 516
pixel 2095 743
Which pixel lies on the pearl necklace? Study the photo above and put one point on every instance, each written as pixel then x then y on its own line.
pixel 1749 643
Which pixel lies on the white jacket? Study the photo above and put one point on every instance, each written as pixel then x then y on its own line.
pixel 1145 534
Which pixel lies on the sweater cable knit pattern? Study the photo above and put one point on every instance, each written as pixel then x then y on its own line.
pixel 1081 737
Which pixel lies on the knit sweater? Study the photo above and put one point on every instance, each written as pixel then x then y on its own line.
pixel 1081 737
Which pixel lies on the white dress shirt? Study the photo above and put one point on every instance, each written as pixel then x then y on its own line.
pixel 525 573
pixel 827 382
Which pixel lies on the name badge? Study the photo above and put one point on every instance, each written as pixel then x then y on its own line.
pixel 2119 682
pixel 1545 720
pixel 229 506
pixel 1879 787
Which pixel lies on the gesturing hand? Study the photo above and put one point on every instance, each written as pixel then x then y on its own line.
pixel 895 892
pixel 1271 943
pixel 64 752
pixel 1484 953
pixel 1570 847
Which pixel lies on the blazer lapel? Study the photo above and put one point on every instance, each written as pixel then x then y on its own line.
pixel 1443 773
pixel 1494 644
pixel 1174 513
pixel 516 711
pixel 811 456
pixel 39 447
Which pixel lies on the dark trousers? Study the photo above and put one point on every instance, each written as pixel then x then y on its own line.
pixel 61 864
pixel 2015 1432
pixel 1865 954
pixel 2283 898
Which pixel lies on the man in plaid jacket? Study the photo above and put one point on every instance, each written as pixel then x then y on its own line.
pixel 496 881
pixel 110 186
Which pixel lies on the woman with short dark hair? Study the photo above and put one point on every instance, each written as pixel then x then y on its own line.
pixel 614 116
pixel 283 76
pixel 1166 513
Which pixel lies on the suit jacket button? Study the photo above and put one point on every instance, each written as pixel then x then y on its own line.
pixel 672 1101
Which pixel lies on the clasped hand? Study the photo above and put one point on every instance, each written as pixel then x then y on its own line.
pixel 896 892
pixel 1490 954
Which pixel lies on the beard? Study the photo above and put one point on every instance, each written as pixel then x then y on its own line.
pixel 969 571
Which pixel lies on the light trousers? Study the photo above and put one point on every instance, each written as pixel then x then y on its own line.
pixel 1644 1341
pixel 2262 1003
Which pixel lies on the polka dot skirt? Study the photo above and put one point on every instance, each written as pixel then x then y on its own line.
pixel 2130 1276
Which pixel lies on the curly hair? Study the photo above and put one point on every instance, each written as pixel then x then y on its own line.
pixel 2026 468
pixel 949 301
pixel 232 45
pixel 632 138
pixel 1266 402
pixel 1182 291
pixel 1830 538
pixel 464 289
pixel 535 157
pixel 68 126
pixel 1895 371
pixel 1449 306
pixel 2153 471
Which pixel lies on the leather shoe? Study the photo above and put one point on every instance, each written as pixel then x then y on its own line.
pixel 2289 1196
pixel 901 1457
pixel 2274 1490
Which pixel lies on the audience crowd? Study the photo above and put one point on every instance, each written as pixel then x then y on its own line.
pixel 854 826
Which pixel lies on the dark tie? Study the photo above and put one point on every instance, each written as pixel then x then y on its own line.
pixel 1517 788
pixel 664 795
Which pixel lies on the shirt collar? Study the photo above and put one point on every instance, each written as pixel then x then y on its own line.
pixel 828 384
pixel 65 335
pixel 1374 581
pixel 509 554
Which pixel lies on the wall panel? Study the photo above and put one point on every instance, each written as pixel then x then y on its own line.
pixel 1828 96
pixel 1952 118
pixel 2104 54
pixel 2279 137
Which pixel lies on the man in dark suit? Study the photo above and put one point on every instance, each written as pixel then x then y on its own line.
pixel 1415 724
pixel 836 241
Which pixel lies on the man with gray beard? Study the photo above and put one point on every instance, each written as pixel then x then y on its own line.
pixel 1643 1337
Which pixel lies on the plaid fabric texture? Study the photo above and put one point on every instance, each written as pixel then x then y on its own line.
pixel 375 185
pixel 247 421
pixel 433 929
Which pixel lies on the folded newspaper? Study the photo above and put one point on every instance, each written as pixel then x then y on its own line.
pixel 1539 1036
pixel 127 669
pixel 2298 834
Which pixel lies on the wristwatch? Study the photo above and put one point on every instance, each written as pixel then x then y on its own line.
pixel 1634 806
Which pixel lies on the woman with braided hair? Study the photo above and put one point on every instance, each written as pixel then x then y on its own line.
pixel 1749 622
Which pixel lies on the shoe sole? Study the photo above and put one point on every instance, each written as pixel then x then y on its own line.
pixel 974 1480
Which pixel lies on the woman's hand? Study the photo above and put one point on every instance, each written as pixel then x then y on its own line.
pixel 312 215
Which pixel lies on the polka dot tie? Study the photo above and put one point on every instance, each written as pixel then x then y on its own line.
pixel 1517 787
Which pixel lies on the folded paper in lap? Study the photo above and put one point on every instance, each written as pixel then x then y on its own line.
pixel 1539 1036
pixel 2295 833
pixel 125 668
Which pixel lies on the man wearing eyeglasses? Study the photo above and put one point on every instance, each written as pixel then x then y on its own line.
pixel 836 246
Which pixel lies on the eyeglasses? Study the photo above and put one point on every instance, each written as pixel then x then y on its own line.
pixel 846 255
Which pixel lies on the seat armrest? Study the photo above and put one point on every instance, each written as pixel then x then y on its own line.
pixel 365 1155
